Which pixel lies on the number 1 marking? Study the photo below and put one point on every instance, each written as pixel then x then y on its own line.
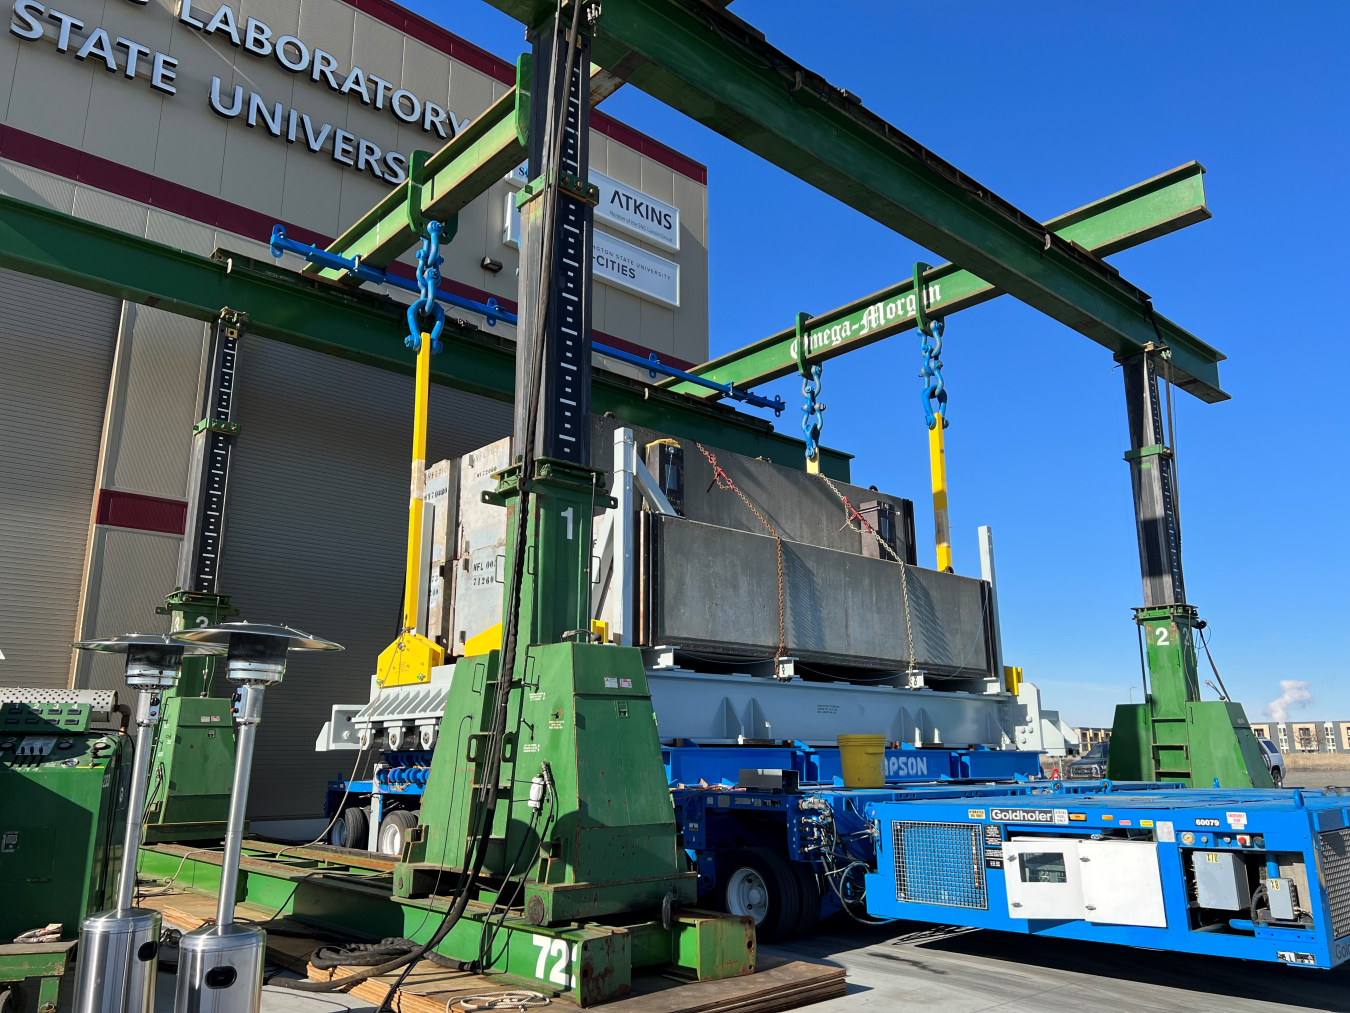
pixel 568 514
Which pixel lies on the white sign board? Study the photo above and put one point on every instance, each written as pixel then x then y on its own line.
pixel 616 262
pixel 636 213
pixel 626 266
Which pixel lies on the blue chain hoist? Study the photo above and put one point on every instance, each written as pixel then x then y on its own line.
pixel 930 344
pixel 813 411
pixel 425 307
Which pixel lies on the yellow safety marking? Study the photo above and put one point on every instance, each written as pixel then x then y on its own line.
pixel 489 640
pixel 937 461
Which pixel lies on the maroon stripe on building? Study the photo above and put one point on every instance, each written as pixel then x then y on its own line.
pixel 144 513
pixel 650 147
pixel 636 349
pixel 91 170
pixel 481 60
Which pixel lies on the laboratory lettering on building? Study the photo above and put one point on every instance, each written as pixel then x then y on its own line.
pixel 134 63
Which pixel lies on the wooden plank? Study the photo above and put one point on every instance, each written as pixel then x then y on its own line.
pixel 186 911
pixel 429 989
pixel 784 985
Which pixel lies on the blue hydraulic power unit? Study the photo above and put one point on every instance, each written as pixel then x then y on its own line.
pixel 1257 874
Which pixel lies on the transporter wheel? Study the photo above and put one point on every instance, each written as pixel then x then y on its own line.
pixel 1277 775
pixel 394 831
pixel 809 885
pixel 761 884
pixel 351 829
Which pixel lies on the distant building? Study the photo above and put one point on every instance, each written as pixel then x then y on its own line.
pixel 1306 736
pixel 1089 737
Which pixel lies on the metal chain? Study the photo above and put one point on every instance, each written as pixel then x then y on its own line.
pixel 930 344
pixel 723 481
pixel 425 310
pixel 849 519
pixel 813 412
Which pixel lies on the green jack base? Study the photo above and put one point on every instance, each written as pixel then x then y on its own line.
pixel 351 893
pixel 36 971
pixel 588 962
pixel 1212 742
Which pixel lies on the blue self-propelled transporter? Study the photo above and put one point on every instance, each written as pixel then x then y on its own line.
pixel 1255 874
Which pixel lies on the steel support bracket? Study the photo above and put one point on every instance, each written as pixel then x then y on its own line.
pixel 799 346
pixel 1181 614
pixel 1157 450
pixel 216 426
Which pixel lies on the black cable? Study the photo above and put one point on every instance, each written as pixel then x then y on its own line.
pixel 487 813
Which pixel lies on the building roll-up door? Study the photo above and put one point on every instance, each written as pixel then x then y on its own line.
pixel 315 537
pixel 56 352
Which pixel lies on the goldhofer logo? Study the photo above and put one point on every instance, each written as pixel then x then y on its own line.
pixel 1030 815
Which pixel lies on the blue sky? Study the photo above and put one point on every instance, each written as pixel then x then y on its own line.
pixel 1052 105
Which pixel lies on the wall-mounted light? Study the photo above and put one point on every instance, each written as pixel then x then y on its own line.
pixel 488 264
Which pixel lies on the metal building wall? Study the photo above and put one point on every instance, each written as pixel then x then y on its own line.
pixel 56 349
pixel 315 536
pixel 152 406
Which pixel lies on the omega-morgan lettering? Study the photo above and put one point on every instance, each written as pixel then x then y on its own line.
pixel 258 38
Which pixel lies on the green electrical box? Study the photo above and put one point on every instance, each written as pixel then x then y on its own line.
pixel 188 796
pixel 63 791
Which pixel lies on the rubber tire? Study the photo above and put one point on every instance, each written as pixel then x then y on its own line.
pixel 1277 775
pixel 809 894
pixel 781 883
pixel 351 829
pixel 399 822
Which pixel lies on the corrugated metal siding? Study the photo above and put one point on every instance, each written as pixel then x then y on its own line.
pixel 130 572
pixel 155 403
pixel 147 441
pixel 316 526
pixel 53 395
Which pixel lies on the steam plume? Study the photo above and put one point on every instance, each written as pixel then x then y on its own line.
pixel 1293 693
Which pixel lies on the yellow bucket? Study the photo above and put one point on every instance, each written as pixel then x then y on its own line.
pixel 863 758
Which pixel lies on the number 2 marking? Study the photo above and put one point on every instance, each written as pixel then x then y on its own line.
pixel 1161 632
pixel 568 514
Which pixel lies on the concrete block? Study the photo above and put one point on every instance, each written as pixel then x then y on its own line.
pixel 715 589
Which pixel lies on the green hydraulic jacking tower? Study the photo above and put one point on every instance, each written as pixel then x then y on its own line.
pixel 1173 735
pixel 547 849
pixel 193 762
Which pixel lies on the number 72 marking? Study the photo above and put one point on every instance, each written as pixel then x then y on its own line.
pixel 558 974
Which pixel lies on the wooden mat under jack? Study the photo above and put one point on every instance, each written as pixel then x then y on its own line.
pixel 777 985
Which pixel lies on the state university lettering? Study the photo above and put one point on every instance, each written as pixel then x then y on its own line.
pixel 32 21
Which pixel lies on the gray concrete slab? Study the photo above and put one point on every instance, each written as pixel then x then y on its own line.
pixel 908 967
pixel 717 589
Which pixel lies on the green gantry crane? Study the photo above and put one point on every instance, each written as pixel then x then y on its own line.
pixel 523 800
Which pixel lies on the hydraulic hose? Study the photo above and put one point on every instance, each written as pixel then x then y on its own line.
pixel 492 775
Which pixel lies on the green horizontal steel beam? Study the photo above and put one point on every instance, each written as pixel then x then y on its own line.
pixel 712 66
pixel 1155 207
pixel 330 318
pixel 460 172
